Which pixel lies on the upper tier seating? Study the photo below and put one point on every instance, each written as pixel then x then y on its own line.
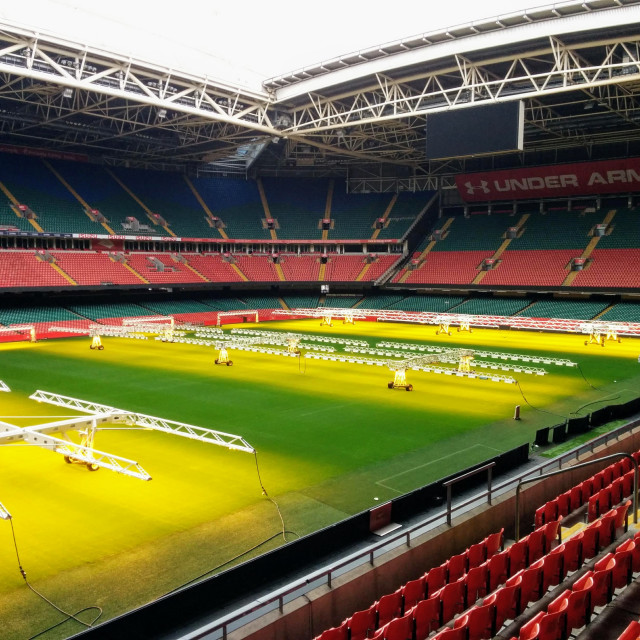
pixel 298 205
pixel 475 233
pixel 557 230
pixel 33 184
pixel 237 203
pixel 406 209
pixel 354 215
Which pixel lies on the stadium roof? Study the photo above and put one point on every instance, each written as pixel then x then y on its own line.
pixel 576 66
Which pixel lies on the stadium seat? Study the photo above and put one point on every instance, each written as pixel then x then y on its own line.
pixel 362 623
pixel 436 579
pixel 518 556
pixel 551 533
pixel 607 529
pixel 564 504
pixel 388 607
pixel 335 633
pixel 579 604
pixel 396 629
pixel 494 542
pixel 572 553
pixel 507 602
pixel 602 589
pixel 553 624
pixel 620 521
pixel 453 598
pixel 461 633
pixel 631 631
pixel 553 568
pixel 456 566
pixel 623 570
pixel 591 540
pixel 427 615
pixel 536 547
pixel 530 630
pixel 476 554
pixel 414 591
pixel 480 621
pixel 476 582
pixel 498 569
pixel 531 584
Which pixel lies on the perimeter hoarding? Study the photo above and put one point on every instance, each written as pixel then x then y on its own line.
pixel 562 180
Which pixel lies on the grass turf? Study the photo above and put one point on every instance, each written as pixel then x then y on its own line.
pixel 331 439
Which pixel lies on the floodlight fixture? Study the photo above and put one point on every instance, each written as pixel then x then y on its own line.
pixel 162 114
pixel 68 93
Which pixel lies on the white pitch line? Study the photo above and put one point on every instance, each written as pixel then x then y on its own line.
pixel 426 464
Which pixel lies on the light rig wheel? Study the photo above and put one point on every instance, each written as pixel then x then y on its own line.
pixel 67 459
pixel 390 385
pixel 409 387
pixel 101 348
pixel 229 363
pixel 92 467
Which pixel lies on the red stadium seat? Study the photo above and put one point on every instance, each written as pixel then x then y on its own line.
pixel 531 630
pixel 427 615
pixel 590 540
pixel 494 542
pixel 631 632
pixel 627 484
pixel 451 634
pixel 397 629
pixel 335 633
pixel 453 599
pixel 572 552
pixel 362 624
pixel 623 571
pixel 616 491
pixel 602 589
pixel 476 582
pixel 480 621
pixel 593 507
pixel 607 529
pixel 476 554
pixel 564 504
pixel 579 605
pixel 507 602
pixel 518 556
pixel 551 533
pixel 553 624
pixel 388 607
pixel 536 547
pixel 620 521
pixel 456 567
pixel 553 568
pixel 531 585
pixel 498 569
pixel 414 591
pixel 436 579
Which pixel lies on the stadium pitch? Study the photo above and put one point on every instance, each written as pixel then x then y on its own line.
pixel 331 438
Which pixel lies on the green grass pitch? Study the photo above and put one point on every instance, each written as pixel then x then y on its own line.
pixel 332 440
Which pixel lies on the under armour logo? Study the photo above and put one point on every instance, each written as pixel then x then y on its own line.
pixel 483 186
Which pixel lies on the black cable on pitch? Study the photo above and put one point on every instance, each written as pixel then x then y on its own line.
pixel 275 504
pixel 595 402
pixel 536 408
pixel 585 379
pixel 69 616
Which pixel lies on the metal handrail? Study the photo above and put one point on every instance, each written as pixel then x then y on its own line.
pixel 268 603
